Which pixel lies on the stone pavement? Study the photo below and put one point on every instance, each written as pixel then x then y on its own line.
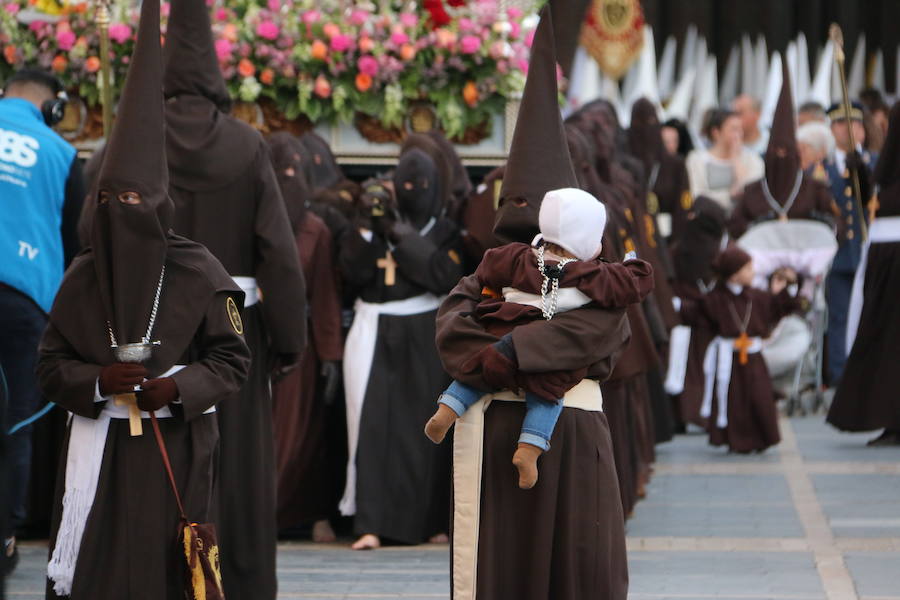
pixel 818 518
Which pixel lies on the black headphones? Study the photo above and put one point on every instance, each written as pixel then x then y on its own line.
pixel 52 110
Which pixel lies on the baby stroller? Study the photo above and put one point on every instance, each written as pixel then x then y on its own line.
pixel 794 352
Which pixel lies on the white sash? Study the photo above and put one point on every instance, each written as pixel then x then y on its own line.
pixel 359 351
pixel 679 346
pixel 884 230
pixel 717 368
pixel 84 457
pixel 250 288
pixel 468 456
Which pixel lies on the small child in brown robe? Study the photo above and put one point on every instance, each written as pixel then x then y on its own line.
pixel 560 271
pixel 739 399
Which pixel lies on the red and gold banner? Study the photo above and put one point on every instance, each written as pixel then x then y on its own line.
pixel 613 34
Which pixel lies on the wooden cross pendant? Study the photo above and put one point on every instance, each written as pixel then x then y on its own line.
pixel 742 345
pixel 134 413
pixel 390 269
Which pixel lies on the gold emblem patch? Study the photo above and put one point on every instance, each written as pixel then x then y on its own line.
pixel 234 315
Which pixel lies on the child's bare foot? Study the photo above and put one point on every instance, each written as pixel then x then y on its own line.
pixel 525 460
pixel 438 425
pixel 367 542
pixel 322 533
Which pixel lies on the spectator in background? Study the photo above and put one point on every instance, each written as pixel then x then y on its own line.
pixel 811 112
pixel 722 171
pixel 747 108
pixel 873 100
pixel 42 191
pixel 816 143
pixel 676 138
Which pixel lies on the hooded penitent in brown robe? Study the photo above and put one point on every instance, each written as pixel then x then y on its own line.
pixel 867 397
pixel 227 198
pixel 692 255
pixel 397 480
pixel 750 421
pixel 302 400
pixel 479 214
pixel 784 192
pixel 116 524
pixel 667 178
pixel 574 514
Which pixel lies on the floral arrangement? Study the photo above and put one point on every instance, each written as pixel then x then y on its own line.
pixel 329 60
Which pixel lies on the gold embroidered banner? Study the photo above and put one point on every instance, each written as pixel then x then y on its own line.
pixel 613 34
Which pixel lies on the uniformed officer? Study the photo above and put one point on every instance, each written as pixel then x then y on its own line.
pixel 839 169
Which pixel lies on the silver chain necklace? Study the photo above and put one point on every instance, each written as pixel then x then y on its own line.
pixel 546 285
pixel 146 338
pixel 782 211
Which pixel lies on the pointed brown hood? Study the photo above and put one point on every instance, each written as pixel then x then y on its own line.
pixel 192 67
pixel 645 134
pixel 782 155
pixel 539 158
pixel 570 16
pixel 290 160
pixel 134 211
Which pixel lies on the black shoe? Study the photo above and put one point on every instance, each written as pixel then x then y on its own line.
pixel 888 438
pixel 8 562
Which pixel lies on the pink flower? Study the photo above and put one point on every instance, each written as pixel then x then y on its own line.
pixel 164 9
pixel 274 5
pixel 330 30
pixel 522 64
pixel 498 50
pixel 399 38
pixel 445 37
pixel 65 39
pixel 11 7
pixel 223 49
pixel 408 20
pixel 120 32
pixel 267 30
pixel 311 16
pixel 514 13
pixel 358 17
pixel 341 43
pixel 368 65
pixel 466 25
pixel 221 14
pixel 322 88
pixel 515 30
pixel 529 38
pixel 470 44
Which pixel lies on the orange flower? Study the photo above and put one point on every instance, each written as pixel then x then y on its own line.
pixel 363 82
pixel 319 50
pixel 407 52
pixel 470 94
pixel 267 77
pixel 322 87
pixel 9 53
pixel 59 63
pixel 246 68
pixel 230 32
pixel 92 64
pixel 366 45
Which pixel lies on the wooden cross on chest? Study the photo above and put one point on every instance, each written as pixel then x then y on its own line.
pixel 390 268
pixel 134 413
pixel 742 345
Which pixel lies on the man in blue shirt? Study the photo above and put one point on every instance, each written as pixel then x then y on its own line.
pixel 41 193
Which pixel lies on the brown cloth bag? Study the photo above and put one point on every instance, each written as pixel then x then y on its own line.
pixel 203 580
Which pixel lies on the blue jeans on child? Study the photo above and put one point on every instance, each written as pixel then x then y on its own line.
pixel 540 415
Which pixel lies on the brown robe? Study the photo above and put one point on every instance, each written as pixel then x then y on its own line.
pixel 244 224
pixel 304 466
pixel 814 201
pixel 129 548
pixel 574 513
pixel 691 397
pixel 752 417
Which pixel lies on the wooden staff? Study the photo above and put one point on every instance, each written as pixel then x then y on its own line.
pixel 837 37
pixel 106 98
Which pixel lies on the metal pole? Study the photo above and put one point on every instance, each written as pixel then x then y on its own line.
pixel 106 98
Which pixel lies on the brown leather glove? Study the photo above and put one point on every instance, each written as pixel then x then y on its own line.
pixel 120 378
pixel 157 393
pixel 550 386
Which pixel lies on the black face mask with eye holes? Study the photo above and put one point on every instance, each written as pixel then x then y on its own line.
pixel 416 188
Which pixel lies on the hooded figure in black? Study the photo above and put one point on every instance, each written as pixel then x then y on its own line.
pixel 784 192
pixel 866 398
pixel 398 482
pixel 116 525
pixel 574 513
pixel 307 456
pixel 323 171
pixel 228 199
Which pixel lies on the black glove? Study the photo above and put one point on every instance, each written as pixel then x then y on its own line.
pixel 855 163
pixel 331 375
pixel 157 393
pixel 399 230
pixel 120 378
pixel 284 364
